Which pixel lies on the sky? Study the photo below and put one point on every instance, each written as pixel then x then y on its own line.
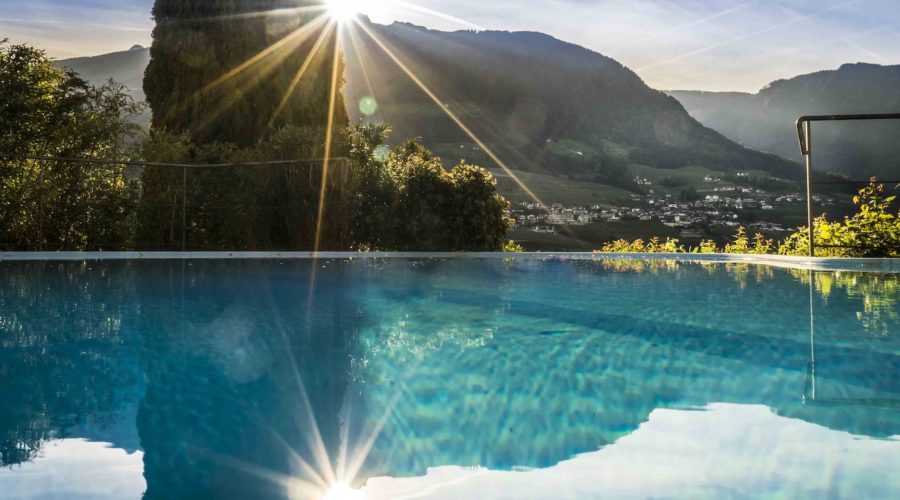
pixel 716 45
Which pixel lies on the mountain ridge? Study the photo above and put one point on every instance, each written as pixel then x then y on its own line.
pixel 543 104
pixel 766 120
pixel 125 67
pixel 531 96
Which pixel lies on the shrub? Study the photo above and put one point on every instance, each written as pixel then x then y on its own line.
pixel 742 244
pixel 409 202
pixel 623 246
pixel 872 232
pixel 707 246
pixel 671 245
pixel 512 247
pixel 46 111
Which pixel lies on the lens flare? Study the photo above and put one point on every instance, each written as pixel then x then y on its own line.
pixel 368 105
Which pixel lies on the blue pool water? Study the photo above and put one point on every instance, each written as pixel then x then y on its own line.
pixel 461 378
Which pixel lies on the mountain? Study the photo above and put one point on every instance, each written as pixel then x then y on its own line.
pixel 125 67
pixel 765 120
pixel 542 104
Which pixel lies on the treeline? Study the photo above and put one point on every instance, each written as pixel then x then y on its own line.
pixel 271 196
pixel 48 112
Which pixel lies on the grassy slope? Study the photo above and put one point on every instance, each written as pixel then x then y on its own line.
pixel 590 237
pixel 550 189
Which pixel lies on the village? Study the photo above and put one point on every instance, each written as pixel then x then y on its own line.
pixel 727 206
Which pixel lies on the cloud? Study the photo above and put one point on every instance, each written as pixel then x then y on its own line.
pixel 80 27
pixel 726 450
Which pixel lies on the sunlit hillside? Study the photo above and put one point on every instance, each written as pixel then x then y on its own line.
pixel 546 105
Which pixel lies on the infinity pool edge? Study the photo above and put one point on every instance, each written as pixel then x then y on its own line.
pixel 805 263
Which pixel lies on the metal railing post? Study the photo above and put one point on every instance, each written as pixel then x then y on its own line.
pixel 804 130
pixel 810 218
pixel 41 191
pixel 183 209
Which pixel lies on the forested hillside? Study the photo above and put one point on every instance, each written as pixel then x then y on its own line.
pixel 543 104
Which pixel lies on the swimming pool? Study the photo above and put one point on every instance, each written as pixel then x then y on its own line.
pixel 446 378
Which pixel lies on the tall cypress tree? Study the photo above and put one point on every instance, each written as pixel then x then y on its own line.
pixel 196 42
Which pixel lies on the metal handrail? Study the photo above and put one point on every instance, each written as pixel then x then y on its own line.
pixel 131 163
pixel 804 132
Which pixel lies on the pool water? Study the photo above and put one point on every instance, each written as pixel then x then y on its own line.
pixel 446 378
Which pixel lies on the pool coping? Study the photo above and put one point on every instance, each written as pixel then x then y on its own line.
pixel 806 263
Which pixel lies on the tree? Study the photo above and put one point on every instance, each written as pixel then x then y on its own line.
pixel 409 202
pixel 222 84
pixel 197 43
pixel 477 214
pixel 49 112
pixel 611 169
pixel 689 194
pixel 375 191
pixel 243 206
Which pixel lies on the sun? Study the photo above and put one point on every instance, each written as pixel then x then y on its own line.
pixel 343 491
pixel 344 10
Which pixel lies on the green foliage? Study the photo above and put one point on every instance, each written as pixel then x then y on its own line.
pixel 874 227
pixel 610 169
pixel 380 199
pixel 223 90
pixel 623 246
pixel 742 244
pixel 477 214
pixel 45 111
pixel 409 202
pixel 825 234
pixel 244 207
pixel 707 247
pixel 196 43
pixel 671 245
pixel 512 247
pixel 375 194
pixel 872 232
pixel 689 194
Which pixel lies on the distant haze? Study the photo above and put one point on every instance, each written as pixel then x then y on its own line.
pixel 672 44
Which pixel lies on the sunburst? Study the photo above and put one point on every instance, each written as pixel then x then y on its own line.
pixel 339 23
pixel 346 10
